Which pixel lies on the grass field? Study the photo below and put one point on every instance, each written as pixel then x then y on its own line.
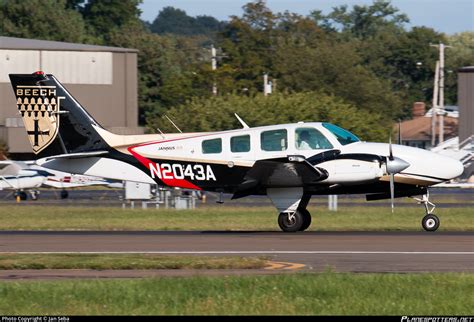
pixel 237 218
pixel 297 294
pixel 126 261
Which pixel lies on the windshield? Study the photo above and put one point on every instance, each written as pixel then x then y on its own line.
pixel 344 137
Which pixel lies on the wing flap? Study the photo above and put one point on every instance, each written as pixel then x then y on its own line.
pixel 293 171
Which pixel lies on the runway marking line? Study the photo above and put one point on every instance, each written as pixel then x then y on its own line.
pixel 316 252
pixel 283 265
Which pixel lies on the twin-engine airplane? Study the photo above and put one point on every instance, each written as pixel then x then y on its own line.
pixel 288 162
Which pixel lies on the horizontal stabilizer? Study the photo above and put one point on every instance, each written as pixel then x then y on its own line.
pixel 77 155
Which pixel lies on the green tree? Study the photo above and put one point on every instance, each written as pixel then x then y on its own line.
pixel 42 19
pixel 175 21
pixel 362 21
pixel 406 60
pixel 106 16
pixel 301 56
pixel 168 68
pixel 315 63
pixel 460 54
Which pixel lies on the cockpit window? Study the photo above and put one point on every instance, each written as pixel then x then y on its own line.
pixel 343 136
pixel 308 138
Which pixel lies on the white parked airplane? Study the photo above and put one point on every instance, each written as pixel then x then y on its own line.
pixel 26 176
pixel 269 160
pixel 17 176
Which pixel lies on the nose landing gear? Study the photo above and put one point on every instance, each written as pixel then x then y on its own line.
pixel 430 221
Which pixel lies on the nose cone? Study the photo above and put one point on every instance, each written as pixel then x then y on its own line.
pixel 396 165
pixel 452 168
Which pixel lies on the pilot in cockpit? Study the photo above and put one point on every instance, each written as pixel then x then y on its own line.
pixel 304 141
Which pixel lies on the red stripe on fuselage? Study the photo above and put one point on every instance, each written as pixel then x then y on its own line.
pixel 181 183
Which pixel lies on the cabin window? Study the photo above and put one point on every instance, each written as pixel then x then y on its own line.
pixel 240 143
pixel 276 140
pixel 308 138
pixel 212 146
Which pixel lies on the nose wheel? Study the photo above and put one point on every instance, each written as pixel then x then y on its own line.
pixel 430 221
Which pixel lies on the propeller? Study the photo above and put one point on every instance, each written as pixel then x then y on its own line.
pixel 394 165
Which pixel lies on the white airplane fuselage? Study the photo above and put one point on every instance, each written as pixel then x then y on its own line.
pixel 179 158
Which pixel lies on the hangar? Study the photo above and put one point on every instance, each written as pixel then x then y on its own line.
pixel 103 79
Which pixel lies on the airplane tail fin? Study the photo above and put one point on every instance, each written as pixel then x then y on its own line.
pixel 54 120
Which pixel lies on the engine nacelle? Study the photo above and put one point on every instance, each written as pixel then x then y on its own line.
pixel 348 171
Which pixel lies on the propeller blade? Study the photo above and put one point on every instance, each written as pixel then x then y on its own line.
pixel 390 148
pixel 392 189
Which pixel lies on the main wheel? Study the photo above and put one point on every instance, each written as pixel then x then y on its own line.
pixel 430 222
pixel 64 194
pixel 306 219
pixel 292 222
pixel 23 195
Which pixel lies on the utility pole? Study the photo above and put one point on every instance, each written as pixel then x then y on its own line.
pixel 441 47
pixel 434 109
pixel 265 84
pixel 214 67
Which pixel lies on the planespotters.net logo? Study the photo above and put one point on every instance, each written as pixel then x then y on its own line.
pixel 437 319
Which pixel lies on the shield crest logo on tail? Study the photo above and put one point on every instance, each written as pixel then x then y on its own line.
pixel 39 107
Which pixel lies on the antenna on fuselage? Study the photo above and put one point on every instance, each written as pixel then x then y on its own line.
pixel 244 125
pixel 173 124
pixel 161 133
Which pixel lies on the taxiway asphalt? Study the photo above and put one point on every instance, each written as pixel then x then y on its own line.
pixel 400 252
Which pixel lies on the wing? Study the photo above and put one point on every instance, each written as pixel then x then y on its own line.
pixel 9 168
pixel 293 171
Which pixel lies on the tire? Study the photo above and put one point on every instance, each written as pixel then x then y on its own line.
pixel 23 195
pixel 34 195
pixel 306 219
pixel 64 194
pixel 430 222
pixel 291 226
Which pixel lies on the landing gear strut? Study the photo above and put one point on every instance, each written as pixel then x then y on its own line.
pixel 294 221
pixel 430 221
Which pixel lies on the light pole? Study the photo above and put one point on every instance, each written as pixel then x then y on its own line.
pixel 441 47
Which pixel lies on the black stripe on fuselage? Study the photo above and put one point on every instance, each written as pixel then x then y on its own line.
pixel 424 176
pixel 228 178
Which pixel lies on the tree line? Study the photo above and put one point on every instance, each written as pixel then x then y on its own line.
pixel 360 67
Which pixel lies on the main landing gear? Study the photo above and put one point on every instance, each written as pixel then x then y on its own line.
pixel 430 221
pixel 294 221
pixel 291 204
